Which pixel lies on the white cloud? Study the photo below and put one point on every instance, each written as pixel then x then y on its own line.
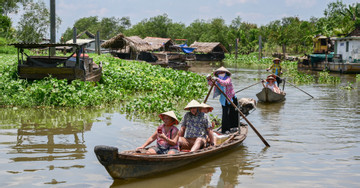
pixel 301 3
pixel 233 2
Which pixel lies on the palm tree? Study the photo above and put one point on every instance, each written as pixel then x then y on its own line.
pixel 353 13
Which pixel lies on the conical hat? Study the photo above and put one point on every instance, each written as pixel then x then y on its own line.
pixel 203 105
pixel 276 59
pixel 222 69
pixel 170 114
pixel 192 104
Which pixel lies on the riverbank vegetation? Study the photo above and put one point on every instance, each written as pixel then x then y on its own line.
pixel 141 87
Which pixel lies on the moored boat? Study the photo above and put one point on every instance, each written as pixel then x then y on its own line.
pixel 267 95
pixel 134 164
pixel 76 66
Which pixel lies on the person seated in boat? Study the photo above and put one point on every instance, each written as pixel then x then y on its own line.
pixel 166 136
pixel 276 70
pixel 195 126
pixel 206 109
pixel 271 84
pixel 230 117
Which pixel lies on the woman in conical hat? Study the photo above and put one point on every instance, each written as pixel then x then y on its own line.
pixel 166 136
pixel 230 117
pixel 195 127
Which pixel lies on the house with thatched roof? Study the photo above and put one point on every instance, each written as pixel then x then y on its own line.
pixel 159 44
pixel 209 51
pixel 127 47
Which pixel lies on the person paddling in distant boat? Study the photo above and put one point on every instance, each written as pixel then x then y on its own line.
pixel 276 70
pixel 271 84
pixel 166 136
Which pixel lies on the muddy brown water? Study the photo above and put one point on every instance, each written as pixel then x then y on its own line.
pixel 314 142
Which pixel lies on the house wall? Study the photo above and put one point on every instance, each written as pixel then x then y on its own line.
pixel 352 54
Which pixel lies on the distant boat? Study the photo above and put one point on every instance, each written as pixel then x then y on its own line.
pixel 267 95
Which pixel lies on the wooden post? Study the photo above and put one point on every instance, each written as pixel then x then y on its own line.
pixel 260 48
pixel 52 27
pixel 74 35
pixel 236 48
pixel 230 49
pixel 97 43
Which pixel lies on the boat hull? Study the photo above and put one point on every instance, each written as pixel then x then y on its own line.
pixel 129 164
pixel 267 95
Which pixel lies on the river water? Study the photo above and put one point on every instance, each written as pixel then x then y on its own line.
pixel 314 142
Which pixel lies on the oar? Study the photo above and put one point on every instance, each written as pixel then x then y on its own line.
pixel 247 87
pixel 207 96
pixel 259 135
pixel 297 88
pixel 300 89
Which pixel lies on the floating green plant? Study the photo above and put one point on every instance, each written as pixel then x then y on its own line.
pixel 326 78
pixel 349 86
pixel 140 86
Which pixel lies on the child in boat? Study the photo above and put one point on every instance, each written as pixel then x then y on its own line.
pixel 271 84
pixel 166 136
pixel 206 109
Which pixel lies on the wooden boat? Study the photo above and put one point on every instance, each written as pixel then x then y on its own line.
pixel 77 66
pixel 134 164
pixel 267 95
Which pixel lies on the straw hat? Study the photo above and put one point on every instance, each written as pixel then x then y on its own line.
pixel 222 69
pixel 270 78
pixel 170 114
pixel 192 104
pixel 276 59
pixel 203 105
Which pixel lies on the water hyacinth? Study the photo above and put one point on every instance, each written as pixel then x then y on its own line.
pixel 326 78
pixel 141 86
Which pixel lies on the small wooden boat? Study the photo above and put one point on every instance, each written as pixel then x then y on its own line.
pixel 77 66
pixel 267 95
pixel 134 164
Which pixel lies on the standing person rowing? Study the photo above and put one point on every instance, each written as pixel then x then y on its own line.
pixel 276 69
pixel 230 117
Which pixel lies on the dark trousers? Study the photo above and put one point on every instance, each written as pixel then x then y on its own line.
pixel 230 116
pixel 278 80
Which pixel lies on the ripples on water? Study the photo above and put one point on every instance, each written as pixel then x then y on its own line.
pixel 314 143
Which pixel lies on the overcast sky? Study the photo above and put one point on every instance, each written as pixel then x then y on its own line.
pixel 260 12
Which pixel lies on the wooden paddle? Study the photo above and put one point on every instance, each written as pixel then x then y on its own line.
pixel 242 115
pixel 297 88
pixel 300 89
pixel 207 96
pixel 247 87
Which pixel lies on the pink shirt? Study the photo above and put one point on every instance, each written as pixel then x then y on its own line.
pixel 229 88
pixel 163 143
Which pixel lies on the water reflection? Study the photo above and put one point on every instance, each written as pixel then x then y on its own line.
pixel 222 170
pixel 44 135
pixel 58 143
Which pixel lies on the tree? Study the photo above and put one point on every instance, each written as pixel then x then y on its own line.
pixel 353 13
pixel 35 23
pixel 108 27
pixel 10 6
